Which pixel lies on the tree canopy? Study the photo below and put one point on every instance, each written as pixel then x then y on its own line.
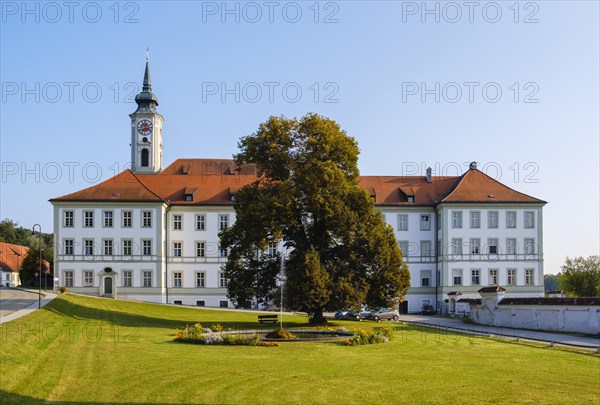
pixel 338 251
pixel 580 277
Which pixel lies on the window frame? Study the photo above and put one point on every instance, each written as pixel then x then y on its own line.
pixel 68 219
pixel 495 215
pixel 457 219
pixel 147 278
pixel 400 222
pixel 88 278
pixel 126 219
pixel 200 220
pixel 475 276
pixel 472 216
pixel 526 225
pixel 427 223
pixel 69 247
pixel 177 279
pixel 127 278
pixel 177 247
pixel 108 218
pixel 177 222
pixel 200 276
pixel 513 216
pixel 89 224
pixel 146 220
pixel 69 278
pixel 110 245
pixel 146 247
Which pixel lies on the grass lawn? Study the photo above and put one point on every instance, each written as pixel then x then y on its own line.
pixel 89 350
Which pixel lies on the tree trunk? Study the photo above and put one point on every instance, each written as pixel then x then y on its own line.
pixel 317 317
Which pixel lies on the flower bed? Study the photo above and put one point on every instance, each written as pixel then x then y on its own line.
pixel 364 337
pixel 197 334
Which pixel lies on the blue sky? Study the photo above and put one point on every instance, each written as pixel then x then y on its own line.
pixel 511 85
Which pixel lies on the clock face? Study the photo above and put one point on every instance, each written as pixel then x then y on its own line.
pixel 144 127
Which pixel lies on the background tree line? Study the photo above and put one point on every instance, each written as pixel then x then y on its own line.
pixel 580 277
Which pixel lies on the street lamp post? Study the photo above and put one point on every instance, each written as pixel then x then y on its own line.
pixel 40 265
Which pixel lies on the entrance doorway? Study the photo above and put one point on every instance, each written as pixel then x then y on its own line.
pixel 403 307
pixel 108 285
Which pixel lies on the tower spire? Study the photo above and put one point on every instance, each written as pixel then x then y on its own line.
pixel 146 100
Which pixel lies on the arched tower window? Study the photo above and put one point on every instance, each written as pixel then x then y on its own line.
pixel 145 158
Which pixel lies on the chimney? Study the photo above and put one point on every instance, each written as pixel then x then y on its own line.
pixel 473 166
pixel 428 175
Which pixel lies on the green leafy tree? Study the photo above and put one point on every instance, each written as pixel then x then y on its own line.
pixel 341 253
pixel 31 263
pixel 580 277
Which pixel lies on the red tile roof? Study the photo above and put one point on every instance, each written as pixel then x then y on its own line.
pixel 12 256
pixel 213 181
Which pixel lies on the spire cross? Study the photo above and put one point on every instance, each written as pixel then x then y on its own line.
pixel 147 54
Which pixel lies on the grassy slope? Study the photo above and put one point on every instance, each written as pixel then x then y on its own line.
pixel 134 360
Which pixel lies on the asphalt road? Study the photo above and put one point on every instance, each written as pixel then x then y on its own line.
pixel 13 300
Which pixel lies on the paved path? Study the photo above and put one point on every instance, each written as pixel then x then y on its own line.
pixel 15 303
pixel 588 342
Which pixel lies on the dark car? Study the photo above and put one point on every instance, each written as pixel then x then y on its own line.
pixel 428 309
pixel 340 314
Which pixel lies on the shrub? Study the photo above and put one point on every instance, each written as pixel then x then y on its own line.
pixel 363 337
pixel 63 290
pixel 216 327
pixel 280 334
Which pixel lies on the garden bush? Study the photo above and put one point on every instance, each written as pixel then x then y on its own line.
pixel 364 337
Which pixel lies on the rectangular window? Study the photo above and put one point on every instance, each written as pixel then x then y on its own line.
pixel 493 277
pixel 147 247
pixel 178 302
pixel 402 222
pixel 200 303
pixel 439 220
pixel 222 280
pixel 425 248
pixel 457 246
pixel 108 219
pixel 146 219
pixel 403 245
pixel 201 279
pixel 68 247
pixel 475 244
pixel 88 278
pixel 88 246
pixel 425 278
pixel 88 219
pixel 511 219
pixel 147 278
pixel 425 222
pixel 475 219
pixel 529 246
pixel 456 219
pixel 529 276
pixel 511 246
pixel 177 279
pixel 474 277
pixel 223 222
pixel 492 219
pixel 177 249
pixel 272 250
pixel 223 304
pixel 127 247
pixel 529 219
pixel 177 226
pixel 68 219
pixel 126 219
pixel 511 276
pixel 200 222
pixel 127 282
pixel 200 249
pixel 68 278
pixel 222 252
pixel 107 247
pixel 457 276
pixel 493 246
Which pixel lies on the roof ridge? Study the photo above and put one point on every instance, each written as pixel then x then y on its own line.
pixel 146 187
pixel 455 186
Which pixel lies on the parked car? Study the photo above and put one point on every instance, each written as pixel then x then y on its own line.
pixel 353 315
pixel 427 309
pixel 340 314
pixel 384 314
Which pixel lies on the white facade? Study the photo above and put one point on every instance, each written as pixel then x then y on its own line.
pixel 155 249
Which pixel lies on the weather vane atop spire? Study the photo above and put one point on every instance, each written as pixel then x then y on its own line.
pixel 147 54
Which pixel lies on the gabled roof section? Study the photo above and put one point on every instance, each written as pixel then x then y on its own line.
pixel 395 190
pixel 475 186
pixel 12 256
pixel 125 186
pixel 218 167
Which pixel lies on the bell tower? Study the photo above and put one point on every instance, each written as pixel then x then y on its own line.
pixel 146 130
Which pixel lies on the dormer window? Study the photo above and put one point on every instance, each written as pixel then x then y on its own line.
pixel 410 198
pixel 189 197
pixel 188 193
